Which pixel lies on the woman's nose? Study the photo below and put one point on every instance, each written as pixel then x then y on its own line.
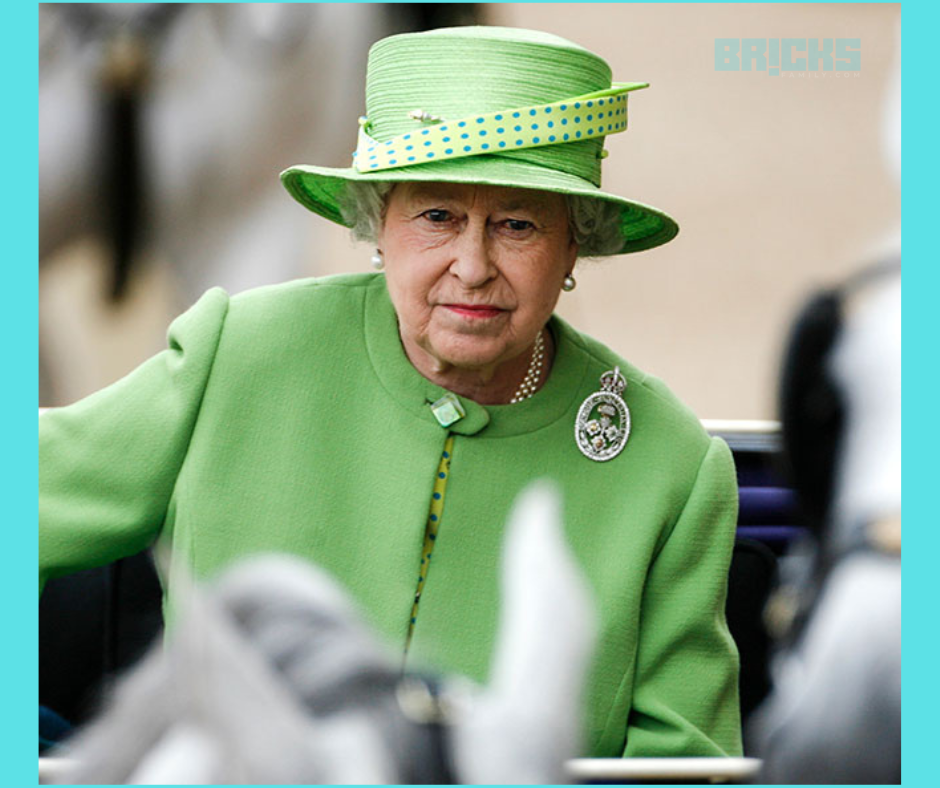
pixel 473 261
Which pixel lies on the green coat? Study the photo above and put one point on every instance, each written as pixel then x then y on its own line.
pixel 289 419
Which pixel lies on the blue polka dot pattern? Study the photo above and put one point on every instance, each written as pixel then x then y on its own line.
pixel 372 155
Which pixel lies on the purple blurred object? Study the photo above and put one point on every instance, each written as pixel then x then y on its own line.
pixel 767 506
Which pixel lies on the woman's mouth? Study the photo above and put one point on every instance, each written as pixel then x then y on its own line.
pixel 474 311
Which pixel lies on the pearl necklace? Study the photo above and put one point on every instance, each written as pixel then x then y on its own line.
pixel 530 382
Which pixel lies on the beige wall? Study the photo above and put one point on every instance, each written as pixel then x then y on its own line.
pixel 778 183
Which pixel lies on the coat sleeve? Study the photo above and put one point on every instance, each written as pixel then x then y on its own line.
pixel 685 698
pixel 108 463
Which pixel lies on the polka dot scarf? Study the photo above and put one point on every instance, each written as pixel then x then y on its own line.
pixel 595 114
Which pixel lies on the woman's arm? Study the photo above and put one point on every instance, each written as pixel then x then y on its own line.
pixel 685 698
pixel 108 463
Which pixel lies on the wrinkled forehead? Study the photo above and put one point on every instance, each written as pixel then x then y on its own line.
pixel 492 197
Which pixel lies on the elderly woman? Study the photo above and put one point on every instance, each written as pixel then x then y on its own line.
pixel 381 425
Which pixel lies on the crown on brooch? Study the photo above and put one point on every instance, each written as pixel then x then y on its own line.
pixel 613 381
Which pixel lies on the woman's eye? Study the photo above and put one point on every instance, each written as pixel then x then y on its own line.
pixel 519 225
pixel 437 216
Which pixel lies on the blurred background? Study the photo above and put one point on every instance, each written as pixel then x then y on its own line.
pixel 163 128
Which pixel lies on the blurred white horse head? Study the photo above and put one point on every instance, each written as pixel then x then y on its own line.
pixel 271 676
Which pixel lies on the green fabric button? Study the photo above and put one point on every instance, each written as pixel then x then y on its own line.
pixel 448 410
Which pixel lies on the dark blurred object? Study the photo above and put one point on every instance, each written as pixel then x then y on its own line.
pixel 124 80
pixel 811 407
pixel 751 580
pixel 834 715
pixel 92 625
pixel 814 416
pixel 128 38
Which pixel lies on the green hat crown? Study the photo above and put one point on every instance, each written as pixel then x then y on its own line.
pixel 456 73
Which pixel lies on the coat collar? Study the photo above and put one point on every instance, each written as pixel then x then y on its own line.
pixel 414 393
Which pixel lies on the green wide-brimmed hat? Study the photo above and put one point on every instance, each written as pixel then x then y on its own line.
pixel 487 105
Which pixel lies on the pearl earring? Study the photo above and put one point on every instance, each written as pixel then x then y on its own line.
pixel 569 284
pixel 378 262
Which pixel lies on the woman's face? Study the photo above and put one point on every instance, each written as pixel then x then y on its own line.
pixel 474 272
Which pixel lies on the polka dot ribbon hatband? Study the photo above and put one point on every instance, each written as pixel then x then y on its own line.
pixel 570 120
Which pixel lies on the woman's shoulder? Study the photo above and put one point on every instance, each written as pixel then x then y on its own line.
pixel 311 302
pixel 649 398
pixel 302 292
pixel 274 320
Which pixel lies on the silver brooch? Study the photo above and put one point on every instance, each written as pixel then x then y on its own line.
pixel 603 424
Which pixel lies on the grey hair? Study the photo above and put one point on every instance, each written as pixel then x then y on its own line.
pixel 363 207
pixel 595 224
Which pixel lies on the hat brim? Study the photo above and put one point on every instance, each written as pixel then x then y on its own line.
pixel 321 190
